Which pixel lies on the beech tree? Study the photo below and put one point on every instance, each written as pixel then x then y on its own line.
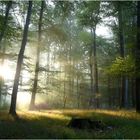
pixel 90 17
pixel 12 110
pixel 5 21
pixel 32 103
pixel 138 60
pixel 71 57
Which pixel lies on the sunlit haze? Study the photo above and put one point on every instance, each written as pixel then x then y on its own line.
pixel 6 72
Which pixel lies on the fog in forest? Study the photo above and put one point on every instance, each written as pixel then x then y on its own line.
pixel 70 61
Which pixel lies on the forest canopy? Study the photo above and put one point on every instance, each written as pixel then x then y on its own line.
pixel 69 54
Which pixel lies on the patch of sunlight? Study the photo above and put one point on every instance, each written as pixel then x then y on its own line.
pixel 48 114
pixel 130 114
pixel 26 76
pixel 6 71
pixel 56 65
pixel 23 100
pixel 68 113
pixel 78 112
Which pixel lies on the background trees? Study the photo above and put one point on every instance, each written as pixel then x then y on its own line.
pixel 75 67
pixel 32 104
pixel 137 59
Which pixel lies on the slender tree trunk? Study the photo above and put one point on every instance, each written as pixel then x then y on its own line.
pixel 64 95
pixel 1 84
pixel 73 77
pixel 133 89
pixel 109 93
pixel 32 103
pixel 122 94
pixel 96 87
pixel 77 90
pixel 117 92
pixel 66 79
pixel 70 70
pixel 9 4
pixel 1 77
pixel 138 60
pixel 20 61
pixel 121 40
pixel 92 97
pixel 47 73
pixel 126 92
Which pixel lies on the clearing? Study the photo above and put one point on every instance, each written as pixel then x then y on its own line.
pixel 53 124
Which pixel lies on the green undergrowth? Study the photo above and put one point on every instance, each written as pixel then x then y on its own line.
pixel 53 124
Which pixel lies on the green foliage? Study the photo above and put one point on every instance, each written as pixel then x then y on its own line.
pixel 57 33
pixel 89 13
pixel 122 66
pixel 86 38
pixel 64 41
pixel 63 9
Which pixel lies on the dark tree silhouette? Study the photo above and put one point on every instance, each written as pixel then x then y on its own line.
pixel 121 42
pixel 20 61
pixel 32 103
pixel 9 4
pixel 138 60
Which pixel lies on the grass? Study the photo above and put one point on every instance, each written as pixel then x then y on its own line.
pixel 52 124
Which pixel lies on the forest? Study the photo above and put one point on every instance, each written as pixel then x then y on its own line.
pixel 69 69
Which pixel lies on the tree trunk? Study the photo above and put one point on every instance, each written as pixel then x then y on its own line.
pixel 70 69
pixel 96 88
pixel 77 90
pixel 109 93
pixel 19 62
pixel 92 97
pixel 64 95
pixel 94 72
pixel 32 103
pixel 133 89
pixel 138 60
pixel 122 92
pixel 121 40
pixel 1 84
pixel 1 77
pixel 9 4
pixel 126 92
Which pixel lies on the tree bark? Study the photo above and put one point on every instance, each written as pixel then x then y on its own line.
pixel 138 60
pixel 9 4
pixel 109 93
pixel 96 87
pixel 133 95
pixel 126 92
pixel 121 41
pixel 12 110
pixel 92 97
pixel 77 90
pixel 34 91
pixel 94 72
pixel 64 93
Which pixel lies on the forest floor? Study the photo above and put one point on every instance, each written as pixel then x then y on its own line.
pixel 53 124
